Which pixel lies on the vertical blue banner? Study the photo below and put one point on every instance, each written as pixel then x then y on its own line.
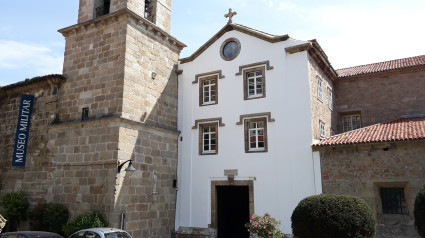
pixel 22 130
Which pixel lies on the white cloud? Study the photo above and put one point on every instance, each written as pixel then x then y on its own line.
pixel 31 57
pixel 373 33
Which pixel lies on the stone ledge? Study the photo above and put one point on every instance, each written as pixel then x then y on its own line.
pixel 195 232
pixel 114 119
pixel 131 17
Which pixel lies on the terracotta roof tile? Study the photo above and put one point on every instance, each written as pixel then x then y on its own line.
pixel 382 66
pixel 406 128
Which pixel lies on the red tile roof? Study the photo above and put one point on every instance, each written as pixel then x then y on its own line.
pixel 402 129
pixel 382 66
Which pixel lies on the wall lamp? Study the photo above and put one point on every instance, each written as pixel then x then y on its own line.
pixel 129 168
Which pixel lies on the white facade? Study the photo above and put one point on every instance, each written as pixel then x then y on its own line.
pixel 282 176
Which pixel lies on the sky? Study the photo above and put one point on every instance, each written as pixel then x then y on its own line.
pixel 351 32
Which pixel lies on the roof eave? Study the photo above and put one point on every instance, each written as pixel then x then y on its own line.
pixel 384 73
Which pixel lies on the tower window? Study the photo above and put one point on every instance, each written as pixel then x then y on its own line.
pixel 85 114
pixel 149 10
pixel 102 7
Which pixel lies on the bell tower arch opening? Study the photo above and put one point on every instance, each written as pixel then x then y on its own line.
pixel 156 11
pixel 101 7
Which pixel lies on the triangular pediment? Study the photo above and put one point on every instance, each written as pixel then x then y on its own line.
pixel 237 27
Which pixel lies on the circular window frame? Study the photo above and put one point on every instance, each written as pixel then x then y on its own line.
pixel 225 43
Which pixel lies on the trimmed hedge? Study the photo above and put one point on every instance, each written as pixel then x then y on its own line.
pixel 15 209
pixel 419 212
pixel 88 220
pixel 337 216
pixel 49 217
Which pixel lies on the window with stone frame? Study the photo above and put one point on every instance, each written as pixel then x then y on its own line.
pixel 208 90
pixel 254 83
pixel 322 129
pixel 330 99
pixel 319 89
pixel 256 135
pixel 208 138
pixel 351 122
pixel 393 200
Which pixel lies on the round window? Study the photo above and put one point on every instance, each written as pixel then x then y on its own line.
pixel 230 49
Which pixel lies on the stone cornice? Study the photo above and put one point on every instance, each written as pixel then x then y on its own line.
pixel 267 115
pixel 217 72
pixel 30 84
pixel 131 17
pixel 218 120
pixel 114 119
pixel 318 55
pixel 242 67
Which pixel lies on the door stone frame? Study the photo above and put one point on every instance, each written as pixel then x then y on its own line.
pixel 214 184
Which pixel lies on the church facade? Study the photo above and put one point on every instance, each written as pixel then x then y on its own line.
pixel 242 149
pixel 215 137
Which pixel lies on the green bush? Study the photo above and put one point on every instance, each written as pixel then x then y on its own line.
pixel 15 208
pixel 419 212
pixel 337 216
pixel 88 220
pixel 49 217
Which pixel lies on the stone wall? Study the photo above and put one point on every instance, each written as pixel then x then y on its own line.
pixel 362 170
pixel 33 178
pixel 319 109
pixel 147 97
pixel 147 195
pixel 383 97
pixel 94 66
pixel 85 161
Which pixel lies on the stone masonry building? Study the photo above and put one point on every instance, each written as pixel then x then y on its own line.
pixel 382 160
pixel 116 101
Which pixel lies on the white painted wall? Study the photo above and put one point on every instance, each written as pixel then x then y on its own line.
pixel 286 173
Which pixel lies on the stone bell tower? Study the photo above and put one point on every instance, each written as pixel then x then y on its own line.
pixel 119 106
pixel 158 12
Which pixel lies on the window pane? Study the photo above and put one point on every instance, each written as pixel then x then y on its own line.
pixel 260 138
pixel 250 75
pixel 259 73
pixel 253 132
pixel 260 144
pixel 253 145
pixel 261 132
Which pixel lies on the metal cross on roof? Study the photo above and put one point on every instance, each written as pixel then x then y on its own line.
pixel 230 15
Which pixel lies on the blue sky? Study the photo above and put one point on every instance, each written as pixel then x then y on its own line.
pixel 351 32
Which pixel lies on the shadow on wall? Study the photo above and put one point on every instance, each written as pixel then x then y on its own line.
pixel 147 196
